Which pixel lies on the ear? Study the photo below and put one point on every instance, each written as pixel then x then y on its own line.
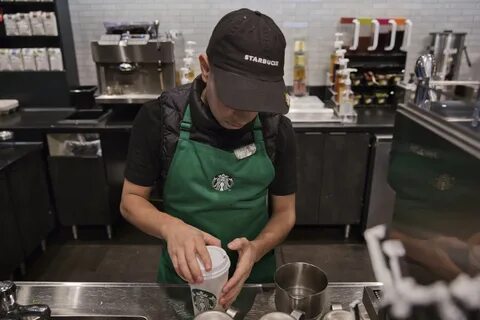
pixel 204 66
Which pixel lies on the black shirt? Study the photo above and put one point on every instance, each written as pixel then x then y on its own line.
pixel 143 162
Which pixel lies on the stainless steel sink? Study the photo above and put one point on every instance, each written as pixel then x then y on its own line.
pixel 98 318
pixel 453 111
pixel 86 117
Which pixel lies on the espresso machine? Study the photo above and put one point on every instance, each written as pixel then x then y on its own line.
pixel 134 63
pixel 428 255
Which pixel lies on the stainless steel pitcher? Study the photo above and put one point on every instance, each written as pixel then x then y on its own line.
pixel 300 286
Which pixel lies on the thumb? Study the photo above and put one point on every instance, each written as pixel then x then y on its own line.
pixel 211 240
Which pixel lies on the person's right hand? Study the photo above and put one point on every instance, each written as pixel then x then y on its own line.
pixel 184 243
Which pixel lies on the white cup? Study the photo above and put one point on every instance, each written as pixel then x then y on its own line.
pixel 205 295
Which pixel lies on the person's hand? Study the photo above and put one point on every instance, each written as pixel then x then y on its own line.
pixel 247 256
pixel 184 243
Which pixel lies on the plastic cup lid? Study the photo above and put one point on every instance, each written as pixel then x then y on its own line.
pixel 220 262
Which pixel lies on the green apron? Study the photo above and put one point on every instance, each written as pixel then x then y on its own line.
pixel 212 190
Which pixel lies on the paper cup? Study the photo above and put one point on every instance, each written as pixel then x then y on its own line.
pixel 205 295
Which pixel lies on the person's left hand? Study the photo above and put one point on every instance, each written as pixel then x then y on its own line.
pixel 246 259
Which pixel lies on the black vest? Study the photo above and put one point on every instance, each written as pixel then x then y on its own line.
pixel 173 104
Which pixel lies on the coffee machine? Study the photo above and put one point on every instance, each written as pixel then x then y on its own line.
pixel 448 47
pixel 134 63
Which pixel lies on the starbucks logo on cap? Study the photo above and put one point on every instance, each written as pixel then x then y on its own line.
pixel 222 182
pixel 203 300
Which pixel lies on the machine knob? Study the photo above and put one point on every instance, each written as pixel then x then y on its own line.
pixel 8 296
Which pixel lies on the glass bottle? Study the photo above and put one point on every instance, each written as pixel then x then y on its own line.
pixel 299 69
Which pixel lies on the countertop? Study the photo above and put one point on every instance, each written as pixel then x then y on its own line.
pixel 46 119
pixel 11 152
pixel 375 120
pixel 461 134
pixel 154 301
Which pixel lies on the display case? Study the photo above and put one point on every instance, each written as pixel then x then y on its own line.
pixel 33 80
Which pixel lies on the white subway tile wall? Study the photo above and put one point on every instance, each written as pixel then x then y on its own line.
pixel 316 20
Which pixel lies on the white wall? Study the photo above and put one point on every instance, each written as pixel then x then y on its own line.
pixel 316 19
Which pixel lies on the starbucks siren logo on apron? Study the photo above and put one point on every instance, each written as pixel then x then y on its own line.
pixel 203 300
pixel 222 182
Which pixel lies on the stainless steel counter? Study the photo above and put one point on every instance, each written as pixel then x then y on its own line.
pixel 154 301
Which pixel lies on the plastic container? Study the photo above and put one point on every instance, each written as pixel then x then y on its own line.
pixel 339 56
pixel 365 33
pixel 83 97
pixel 337 45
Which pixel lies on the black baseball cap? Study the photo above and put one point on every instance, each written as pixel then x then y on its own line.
pixel 246 53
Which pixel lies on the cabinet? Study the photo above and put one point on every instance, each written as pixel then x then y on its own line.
pixel 331 176
pixel 10 245
pixel 343 178
pixel 381 198
pixel 31 204
pixel 25 214
pixel 309 174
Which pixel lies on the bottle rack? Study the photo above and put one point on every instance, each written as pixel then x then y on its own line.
pixel 390 65
pixel 378 52
pixel 40 88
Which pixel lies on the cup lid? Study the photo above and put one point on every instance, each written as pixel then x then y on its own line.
pixel 220 262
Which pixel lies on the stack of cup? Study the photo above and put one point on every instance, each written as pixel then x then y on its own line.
pixel 205 295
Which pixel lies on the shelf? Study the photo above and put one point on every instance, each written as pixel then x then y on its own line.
pixel 366 89
pixel 26 6
pixel 30 72
pixel 29 41
pixel 36 88
pixel 375 65
pixel 389 87
pixel 27 37
pixel 375 54
pixel 374 106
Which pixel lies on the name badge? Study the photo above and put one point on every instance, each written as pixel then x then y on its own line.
pixel 245 151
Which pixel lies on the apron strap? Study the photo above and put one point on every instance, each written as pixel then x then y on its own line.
pixel 257 130
pixel 186 124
